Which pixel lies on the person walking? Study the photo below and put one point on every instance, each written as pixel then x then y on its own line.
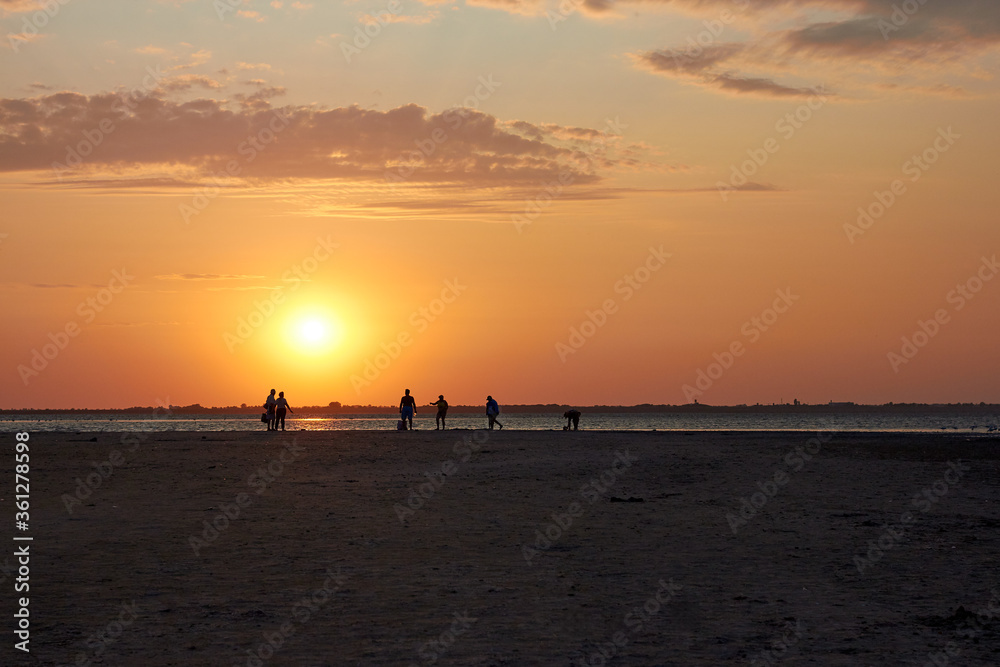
pixel 442 406
pixel 492 412
pixel 407 408
pixel 279 414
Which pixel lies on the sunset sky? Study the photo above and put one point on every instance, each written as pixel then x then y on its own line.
pixel 578 202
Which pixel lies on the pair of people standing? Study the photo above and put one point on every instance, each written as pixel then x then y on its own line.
pixel 275 410
pixel 408 408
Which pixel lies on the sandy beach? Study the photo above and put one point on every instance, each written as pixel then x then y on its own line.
pixel 510 548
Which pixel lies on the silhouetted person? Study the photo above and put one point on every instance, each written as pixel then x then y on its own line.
pixel 492 412
pixel 572 417
pixel 442 406
pixel 280 406
pixel 407 408
pixel 269 405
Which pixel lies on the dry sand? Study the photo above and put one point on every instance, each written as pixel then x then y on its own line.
pixel 320 562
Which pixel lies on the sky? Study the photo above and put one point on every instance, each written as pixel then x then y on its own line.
pixel 728 201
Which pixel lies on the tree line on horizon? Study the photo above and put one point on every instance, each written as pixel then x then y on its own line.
pixel 335 407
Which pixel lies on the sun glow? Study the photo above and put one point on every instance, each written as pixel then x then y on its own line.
pixel 315 333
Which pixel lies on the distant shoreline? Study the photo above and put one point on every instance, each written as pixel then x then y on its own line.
pixel 341 410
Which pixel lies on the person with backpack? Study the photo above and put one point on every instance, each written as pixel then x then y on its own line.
pixel 492 412
pixel 269 405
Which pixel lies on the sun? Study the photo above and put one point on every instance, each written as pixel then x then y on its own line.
pixel 314 333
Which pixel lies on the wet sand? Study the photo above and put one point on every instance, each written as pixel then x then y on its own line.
pixel 509 548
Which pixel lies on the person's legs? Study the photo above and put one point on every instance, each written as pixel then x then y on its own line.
pixel 576 423
pixel 492 419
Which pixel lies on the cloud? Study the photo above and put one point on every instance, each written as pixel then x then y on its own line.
pixel 253 66
pixel 442 203
pixel 56 285
pixel 23 285
pixel 16 39
pixel 183 82
pixel 138 324
pixel 20 6
pixel 207 276
pixel 197 58
pixel 796 46
pixel 385 18
pixel 251 14
pixel 751 186
pixel 260 99
pixel 151 50
pixel 152 184
pixel 522 7
pixel 707 67
pixel 201 138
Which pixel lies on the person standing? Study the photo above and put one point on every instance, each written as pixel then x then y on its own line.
pixel 280 406
pixel 407 408
pixel 572 417
pixel 269 405
pixel 442 406
pixel 492 412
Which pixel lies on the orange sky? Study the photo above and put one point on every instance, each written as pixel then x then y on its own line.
pixel 544 205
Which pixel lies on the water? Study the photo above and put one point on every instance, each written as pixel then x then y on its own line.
pixel 902 423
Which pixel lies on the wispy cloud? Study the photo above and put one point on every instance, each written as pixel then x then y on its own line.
pixel 188 81
pixel 207 276
pixel 151 50
pixel 139 324
pixel 20 6
pixel 859 44
pixel 709 68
